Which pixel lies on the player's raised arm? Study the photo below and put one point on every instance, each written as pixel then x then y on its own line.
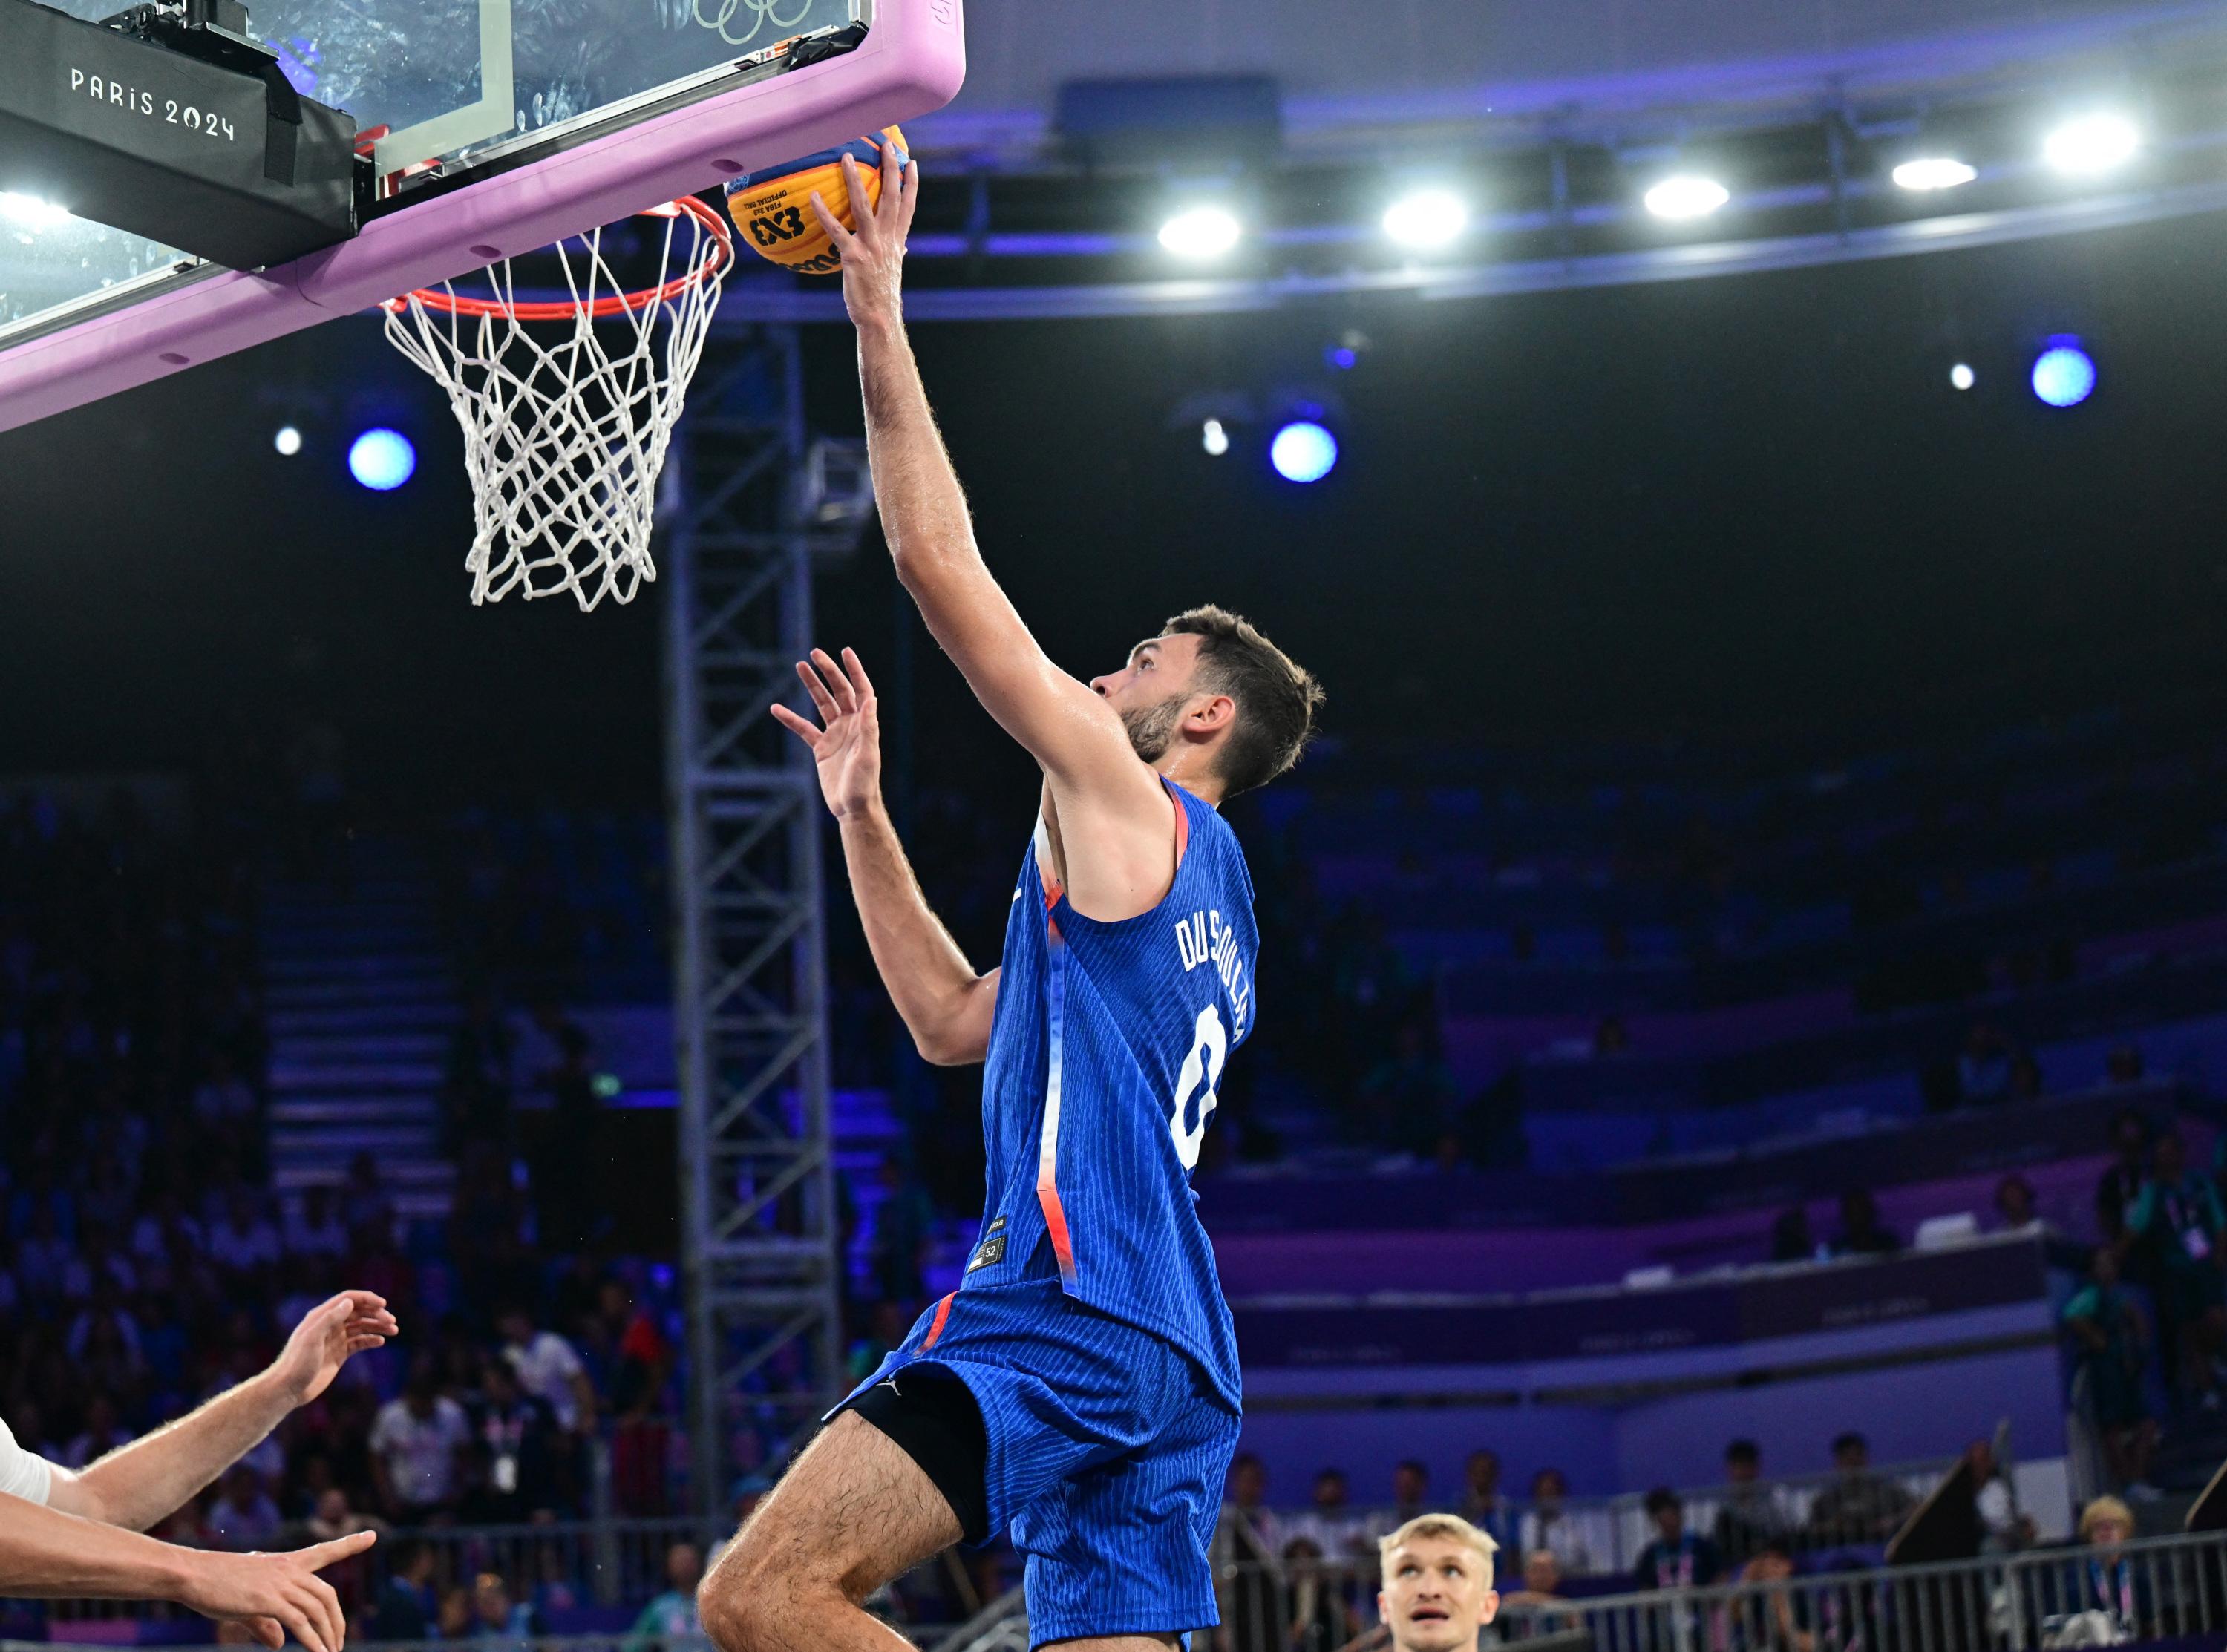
pixel 1075 737
pixel 946 1006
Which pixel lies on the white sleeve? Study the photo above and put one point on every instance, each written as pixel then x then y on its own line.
pixel 22 1475
pixel 567 1358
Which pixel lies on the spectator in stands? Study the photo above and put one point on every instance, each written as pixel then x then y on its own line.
pixel 904 1228
pixel 671 1616
pixel 405 1606
pixel 245 1244
pixel 1860 1233
pixel 1249 1540
pixel 1410 1099
pixel 1548 1525
pixel 365 1206
pixel 1539 1605
pixel 549 1369
pixel 2178 1221
pixel 1787 1620
pixel 518 1450
pixel 1484 1505
pixel 1338 1534
pixel 1314 1599
pixel 2121 1181
pixel 497 1617
pixel 1791 1240
pixel 313 1228
pixel 417 1445
pixel 1860 1507
pixel 2002 1528
pixel 2112 1341
pixel 1676 1559
pixel 453 1619
pixel 244 1518
pixel 1411 1492
pixel 2114 1594
pixel 478 1079
pixel 2014 1203
pixel 1753 1515
pixel 1983 1071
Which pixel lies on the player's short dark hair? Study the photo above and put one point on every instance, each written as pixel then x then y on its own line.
pixel 1662 1498
pixel 1850 1441
pixel 1743 1450
pixel 1276 699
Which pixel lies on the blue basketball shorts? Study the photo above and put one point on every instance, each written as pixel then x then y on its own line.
pixel 1105 1451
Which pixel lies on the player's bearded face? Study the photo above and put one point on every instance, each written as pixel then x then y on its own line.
pixel 1152 728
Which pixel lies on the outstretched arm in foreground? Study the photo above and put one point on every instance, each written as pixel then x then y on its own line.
pixel 1107 800
pixel 48 1554
pixel 946 1005
pixel 138 1485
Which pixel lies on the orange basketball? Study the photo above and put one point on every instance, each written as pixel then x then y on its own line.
pixel 773 208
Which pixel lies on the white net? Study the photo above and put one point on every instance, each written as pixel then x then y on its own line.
pixel 566 427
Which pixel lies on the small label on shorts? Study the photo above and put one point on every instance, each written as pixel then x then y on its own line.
pixel 992 1251
pixel 996 1227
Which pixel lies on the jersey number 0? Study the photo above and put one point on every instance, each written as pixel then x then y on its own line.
pixel 1210 1046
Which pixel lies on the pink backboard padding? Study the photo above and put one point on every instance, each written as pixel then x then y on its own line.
pixel 912 61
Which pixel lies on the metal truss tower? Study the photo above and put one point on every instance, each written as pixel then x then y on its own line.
pixel 751 503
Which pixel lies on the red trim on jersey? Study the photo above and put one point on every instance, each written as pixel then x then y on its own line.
pixel 1182 820
pixel 942 1313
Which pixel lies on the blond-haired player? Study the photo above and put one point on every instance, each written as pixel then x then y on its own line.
pixel 1438 1591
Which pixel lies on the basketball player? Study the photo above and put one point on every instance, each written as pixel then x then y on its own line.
pixel 1437 1590
pixel 1080 1388
pixel 67 1534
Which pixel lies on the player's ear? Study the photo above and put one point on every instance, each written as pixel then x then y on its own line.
pixel 1212 714
pixel 1489 1608
pixel 1383 1607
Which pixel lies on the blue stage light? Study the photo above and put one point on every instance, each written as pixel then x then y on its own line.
pixel 2064 374
pixel 382 460
pixel 1302 451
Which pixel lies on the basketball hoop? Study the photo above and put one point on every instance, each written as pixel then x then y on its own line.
pixel 565 434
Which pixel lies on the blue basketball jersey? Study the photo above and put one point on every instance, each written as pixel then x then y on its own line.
pixel 1108 1042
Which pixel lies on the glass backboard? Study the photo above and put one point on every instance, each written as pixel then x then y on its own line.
pixel 548 118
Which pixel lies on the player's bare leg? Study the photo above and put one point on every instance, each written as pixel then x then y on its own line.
pixel 854 1512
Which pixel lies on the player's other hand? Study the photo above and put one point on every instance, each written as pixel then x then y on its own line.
pixel 873 253
pixel 846 742
pixel 274 1595
pixel 338 1327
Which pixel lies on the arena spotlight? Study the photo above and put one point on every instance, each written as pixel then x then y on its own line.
pixel 382 460
pixel 28 212
pixel 1935 172
pixel 1424 220
pixel 1214 438
pixel 1961 377
pixel 288 442
pixel 1302 451
pixel 2064 374
pixel 1201 233
pixel 1688 195
pixel 2092 144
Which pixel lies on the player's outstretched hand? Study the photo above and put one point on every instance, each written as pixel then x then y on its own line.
pixel 274 1595
pixel 328 1334
pixel 847 743
pixel 873 253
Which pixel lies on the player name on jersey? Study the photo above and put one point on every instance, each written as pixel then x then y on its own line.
pixel 1203 938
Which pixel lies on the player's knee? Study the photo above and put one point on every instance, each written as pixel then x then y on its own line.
pixel 752 1603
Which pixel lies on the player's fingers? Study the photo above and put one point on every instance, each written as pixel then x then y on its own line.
pixel 266 1631
pixel 357 1344
pixel 909 194
pixel 838 684
pixel 862 212
pixel 797 726
pixel 320 1556
pixel 852 664
pixel 367 1302
pixel 892 202
pixel 299 1626
pixel 328 1605
pixel 828 710
pixel 840 236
